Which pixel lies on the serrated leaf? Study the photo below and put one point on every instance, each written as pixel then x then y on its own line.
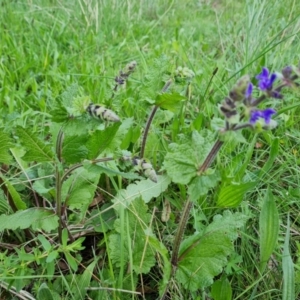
pixel 37 218
pixel 268 229
pixel 171 102
pixel 231 195
pixel 78 190
pixel 6 143
pixel 100 140
pixel 120 135
pixel 99 169
pixel 183 161
pixel 36 150
pixel 133 225
pixel 200 185
pixel 146 189
pixel 74 149
pixel 203 255
pixel 59 114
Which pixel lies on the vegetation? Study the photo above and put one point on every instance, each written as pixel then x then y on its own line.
pixel 149 149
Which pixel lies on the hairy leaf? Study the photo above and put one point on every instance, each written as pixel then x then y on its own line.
pixel 146 189
pixel 36 150
pixel 74 149
pixel 183 161
pixel 201 184
pixel 203 255
pixel 101 139
pixel 37 218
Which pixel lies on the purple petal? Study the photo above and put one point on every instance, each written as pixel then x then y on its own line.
pixel 249 90
pixel 266 115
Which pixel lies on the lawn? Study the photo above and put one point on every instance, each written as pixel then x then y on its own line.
pixel 149 149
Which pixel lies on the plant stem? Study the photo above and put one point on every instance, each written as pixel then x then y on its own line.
pixel 150 119
pixel 189 204
pixel 58 182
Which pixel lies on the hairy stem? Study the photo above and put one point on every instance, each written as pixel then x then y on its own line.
pixel 189 204
pixel 150 119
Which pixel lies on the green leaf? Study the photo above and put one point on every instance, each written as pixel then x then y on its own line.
pixel 100 169
pixel 131 243
pixel 6 143
pixel 120 135
pixel 221 289
pixel 160 248
pixel 15 196
pixel 183 161
pixel 74 149
pixel 271 158
pixel 71 261
pixel 100 140
pixel 85 280
pixel 44 293
pixel 203 255
pixel 59 113
pixel 288 268
pixel 79 189
pixel 201 184
pixel 36 150
pixel 268 229
pixel 146 189
pixel 171 102
pixel 37 218
pixel 231 195
pixel 45 243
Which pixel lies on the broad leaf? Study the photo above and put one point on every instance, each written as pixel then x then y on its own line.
pixel 146 189
pixel 183 161
pixel 231 195
pixel 201 184
pixel 78 190
pixel 170 102
pixel 36 150
pixel 37 218
pixel 100 140
pixel 203 255
pixel 74 149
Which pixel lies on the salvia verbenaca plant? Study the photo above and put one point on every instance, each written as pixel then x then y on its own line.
pixel 241 109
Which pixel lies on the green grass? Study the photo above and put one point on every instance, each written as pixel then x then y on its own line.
pixel 54 56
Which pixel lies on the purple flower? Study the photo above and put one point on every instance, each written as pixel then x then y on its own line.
pixel 262 114
pixel 266 80
pixel 249 90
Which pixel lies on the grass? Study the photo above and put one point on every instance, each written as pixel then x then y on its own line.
pixel 57 53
